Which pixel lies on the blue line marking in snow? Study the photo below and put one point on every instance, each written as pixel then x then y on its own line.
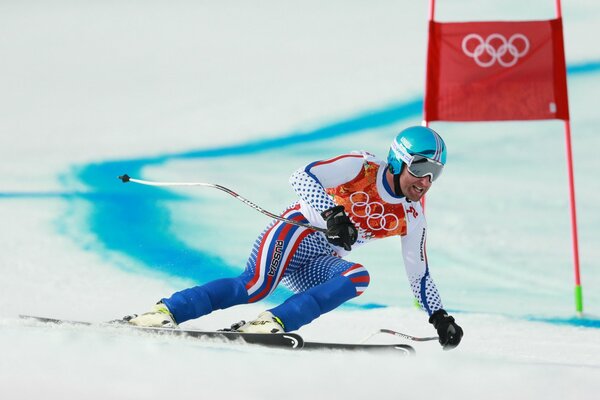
pixel 583 68
pixel 370 120
pixel 586 322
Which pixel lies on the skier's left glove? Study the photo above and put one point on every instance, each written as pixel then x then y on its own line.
pixel 449 332
pixel 340 230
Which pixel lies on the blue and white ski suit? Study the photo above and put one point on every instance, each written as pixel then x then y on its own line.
pixel 305 262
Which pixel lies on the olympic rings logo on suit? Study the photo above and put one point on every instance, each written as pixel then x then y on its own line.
pixel 374 213
pixel 496 53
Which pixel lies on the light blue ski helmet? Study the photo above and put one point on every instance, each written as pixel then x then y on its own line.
pixel 415 144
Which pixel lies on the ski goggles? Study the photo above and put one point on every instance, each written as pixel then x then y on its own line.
pixel 423 166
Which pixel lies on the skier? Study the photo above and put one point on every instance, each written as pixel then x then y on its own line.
pixel 358 199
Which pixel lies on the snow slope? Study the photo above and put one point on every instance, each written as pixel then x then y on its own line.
pixel 210 91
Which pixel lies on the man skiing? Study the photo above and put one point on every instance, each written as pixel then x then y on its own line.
pixel 358 199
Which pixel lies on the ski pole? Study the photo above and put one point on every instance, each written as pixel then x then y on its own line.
pixel 402 335
pixel 126 178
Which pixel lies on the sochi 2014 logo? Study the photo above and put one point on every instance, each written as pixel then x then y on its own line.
pixel 495 49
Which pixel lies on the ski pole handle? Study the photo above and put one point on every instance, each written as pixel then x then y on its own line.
pixel 126 178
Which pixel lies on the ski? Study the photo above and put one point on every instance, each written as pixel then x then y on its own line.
pixel 283 340
pixel 279 340
pixel 403 349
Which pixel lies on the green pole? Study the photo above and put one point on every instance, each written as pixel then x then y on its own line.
pixel 578 299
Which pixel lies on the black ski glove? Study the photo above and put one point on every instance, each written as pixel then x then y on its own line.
pixel 448 330
pixel 340 230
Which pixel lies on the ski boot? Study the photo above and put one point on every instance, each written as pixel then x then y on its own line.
pixel 158 317
pixel 266 322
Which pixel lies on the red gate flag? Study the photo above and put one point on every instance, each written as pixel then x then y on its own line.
pixel 496 70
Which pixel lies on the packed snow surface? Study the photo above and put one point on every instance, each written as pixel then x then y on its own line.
pixel 242 94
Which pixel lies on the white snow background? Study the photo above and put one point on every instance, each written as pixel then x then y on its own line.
pixel 89 85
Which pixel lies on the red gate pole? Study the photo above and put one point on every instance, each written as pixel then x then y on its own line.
pixel 578 290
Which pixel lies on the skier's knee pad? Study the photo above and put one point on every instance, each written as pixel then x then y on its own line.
pixel 359 276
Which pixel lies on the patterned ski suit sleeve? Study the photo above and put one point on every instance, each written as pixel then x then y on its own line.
pixel 417 269
pixel 310 182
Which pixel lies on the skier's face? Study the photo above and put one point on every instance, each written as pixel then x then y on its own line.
pixel 413 188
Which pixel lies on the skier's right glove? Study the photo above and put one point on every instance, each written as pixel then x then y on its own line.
pixel 340 230
pixel 448 330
